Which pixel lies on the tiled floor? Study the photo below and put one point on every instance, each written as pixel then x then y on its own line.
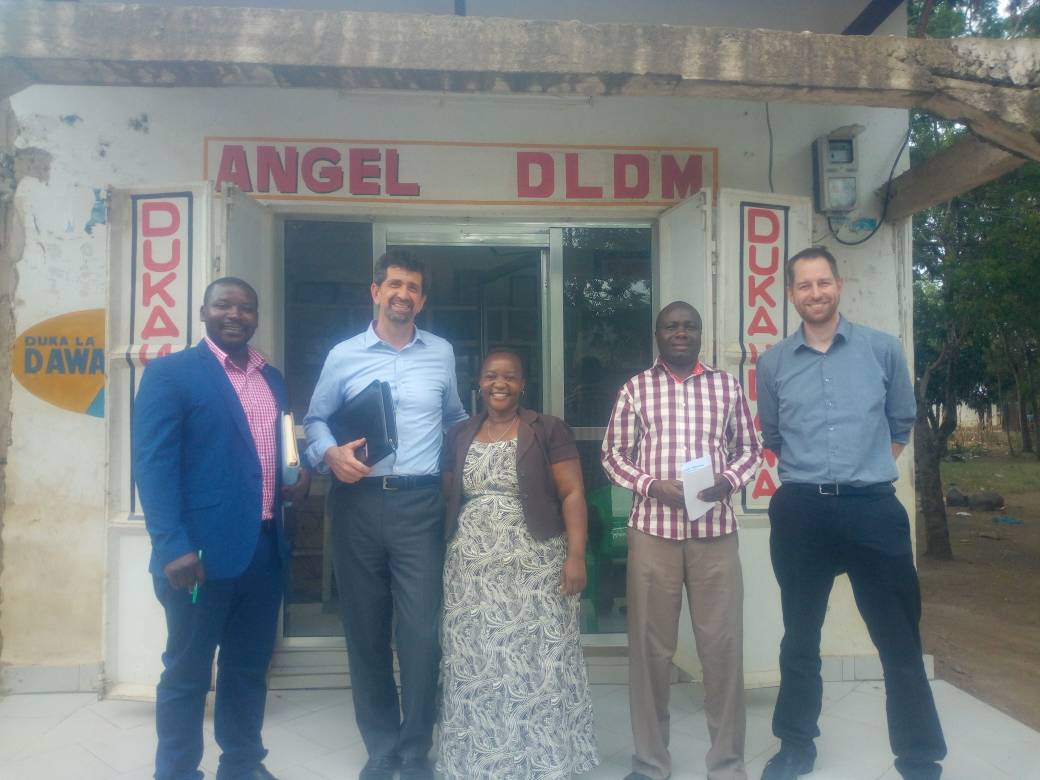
pixel 312 736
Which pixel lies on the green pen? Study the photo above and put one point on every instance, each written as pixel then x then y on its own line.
pixel 195 590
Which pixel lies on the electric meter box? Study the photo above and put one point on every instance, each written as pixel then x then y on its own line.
pixel 835 164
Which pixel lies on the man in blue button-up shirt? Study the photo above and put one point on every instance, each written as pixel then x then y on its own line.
pixel 837 407
pixel 387 518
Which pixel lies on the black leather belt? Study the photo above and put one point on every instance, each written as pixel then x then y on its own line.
pixel 401 482
pixel 839 489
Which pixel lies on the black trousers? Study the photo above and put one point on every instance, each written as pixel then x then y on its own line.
pixel 812 539
pixel 388 555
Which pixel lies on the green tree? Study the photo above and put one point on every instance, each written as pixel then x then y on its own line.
pixel 973 322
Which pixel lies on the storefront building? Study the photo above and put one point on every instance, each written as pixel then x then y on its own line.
pixel 556 225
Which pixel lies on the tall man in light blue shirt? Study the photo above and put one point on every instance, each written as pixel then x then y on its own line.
pixel 387 519
pixel 837 407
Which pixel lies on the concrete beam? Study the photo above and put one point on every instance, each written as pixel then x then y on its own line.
pixel 992 86
pixel 960 168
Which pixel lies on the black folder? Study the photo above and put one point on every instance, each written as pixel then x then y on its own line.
pixel 369 414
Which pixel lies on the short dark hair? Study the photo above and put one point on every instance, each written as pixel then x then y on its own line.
pixel 232 281
pixel 672 307
pixel 508 352
pixel 811 253
pixel 399 258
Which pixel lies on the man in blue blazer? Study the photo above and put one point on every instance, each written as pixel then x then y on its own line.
pixel 206 462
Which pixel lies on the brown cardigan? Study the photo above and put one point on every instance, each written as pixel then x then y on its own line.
pixel 541 441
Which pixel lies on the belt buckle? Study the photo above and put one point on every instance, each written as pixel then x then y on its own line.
pixel 386 482
pixel 823 492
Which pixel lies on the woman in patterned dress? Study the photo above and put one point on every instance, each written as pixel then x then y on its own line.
pixel 515 694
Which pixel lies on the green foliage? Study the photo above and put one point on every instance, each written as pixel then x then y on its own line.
pixel 977 339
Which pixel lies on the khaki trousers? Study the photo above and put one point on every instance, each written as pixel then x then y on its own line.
pixel 657 571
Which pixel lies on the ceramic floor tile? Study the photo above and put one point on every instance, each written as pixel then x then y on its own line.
pixel 1015 759
pixel 832 692
pixel 965 717
pixel 71 762
pixel 18 733
pixel 340 764
pixel 130 750
pixel 688 756
pixel 144 773
pixel 287 748
pixel 79 727
pixel 312 701
pixel 44 705
pixel 760 701
pixel 281 708
pixel 687 697
pixel 125 714
pixel 295 773
pixel 860 707
pixel 759 738
pixel 333 728
pixel 609 769
pixel 312 736
pixel 851 749
pixel 692 725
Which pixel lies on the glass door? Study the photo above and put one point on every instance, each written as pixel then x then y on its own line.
pixel 605 297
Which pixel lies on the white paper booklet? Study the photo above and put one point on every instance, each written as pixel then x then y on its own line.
pixel 696 476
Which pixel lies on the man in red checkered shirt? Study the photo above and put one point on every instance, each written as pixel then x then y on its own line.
pixel 678 410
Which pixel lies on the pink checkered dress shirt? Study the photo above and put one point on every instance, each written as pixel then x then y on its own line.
pixel 261 410
pixel 659 423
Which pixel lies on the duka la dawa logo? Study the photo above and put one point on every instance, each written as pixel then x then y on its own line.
pixel 62 361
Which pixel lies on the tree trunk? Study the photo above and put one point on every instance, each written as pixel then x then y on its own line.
pixel 927 454
pixel 1023 419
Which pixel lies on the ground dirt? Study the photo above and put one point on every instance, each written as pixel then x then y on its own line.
pixel 981 616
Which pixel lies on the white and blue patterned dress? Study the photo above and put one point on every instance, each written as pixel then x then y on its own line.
pixel 515 692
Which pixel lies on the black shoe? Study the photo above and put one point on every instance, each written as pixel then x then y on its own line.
pixel 379 768
pixel 788 765
pixel 416 768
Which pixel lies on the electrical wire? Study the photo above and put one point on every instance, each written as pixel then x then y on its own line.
pixel 769 127
pixel 884 204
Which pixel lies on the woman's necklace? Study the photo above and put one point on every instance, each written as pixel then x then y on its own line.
pixel 504 433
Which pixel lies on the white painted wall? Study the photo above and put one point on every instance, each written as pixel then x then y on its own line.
pixel 54 526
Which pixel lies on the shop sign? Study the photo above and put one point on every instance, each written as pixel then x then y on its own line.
pixel 161 250
pixel 62 361
pixel 763 317
pixel 456 173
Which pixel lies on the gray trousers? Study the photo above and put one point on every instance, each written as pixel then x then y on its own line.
pixel 710 571
pixel 388 554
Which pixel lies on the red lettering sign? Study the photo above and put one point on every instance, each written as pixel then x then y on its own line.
pixel 681 182
pixel 394 185
pixel 763 230
pixel 160 270
pixel 364 166
pixel 327 178
pixel 283 170
pixel 525 163
pixel 640 165
pixel 574 188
